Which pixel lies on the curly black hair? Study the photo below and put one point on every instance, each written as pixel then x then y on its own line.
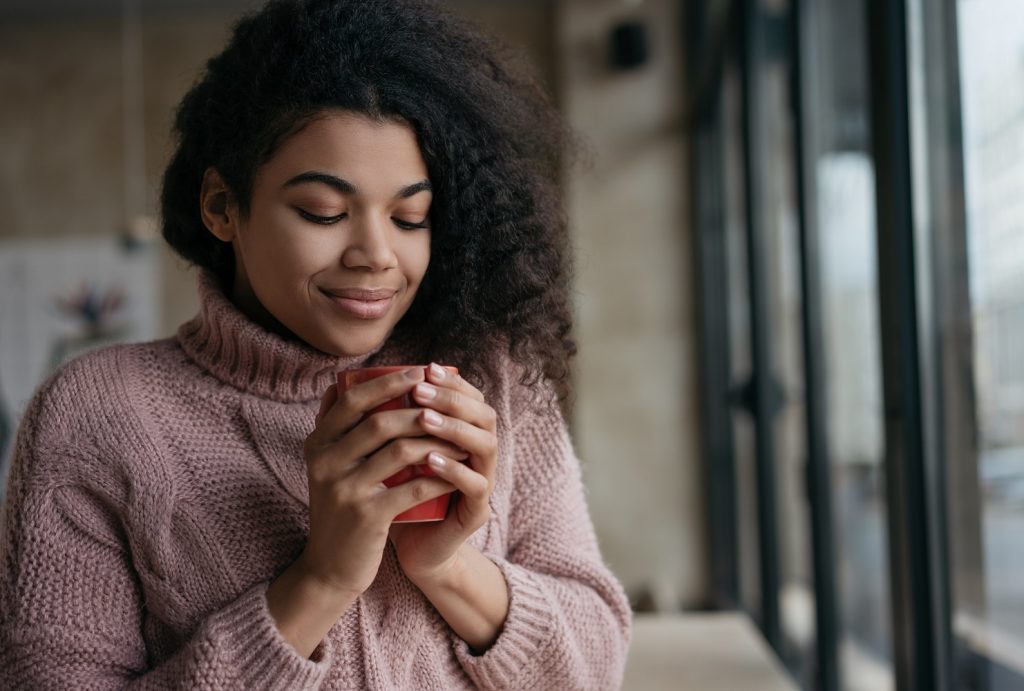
pixel 491 139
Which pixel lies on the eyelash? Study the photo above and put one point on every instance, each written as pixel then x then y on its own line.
pixel 331 220
pixel 409 225
pixel 321 220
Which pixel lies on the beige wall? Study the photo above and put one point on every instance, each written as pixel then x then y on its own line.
pixel 635 415
pixel 62 162
pixel 636 418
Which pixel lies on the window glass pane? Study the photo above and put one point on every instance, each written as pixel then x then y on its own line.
pixel 841 182
pixel 992 90
pixel 976 245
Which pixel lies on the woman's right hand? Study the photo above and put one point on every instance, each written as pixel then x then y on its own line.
pixel 350 510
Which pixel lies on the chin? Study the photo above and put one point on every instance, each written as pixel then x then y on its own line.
pixel 350 347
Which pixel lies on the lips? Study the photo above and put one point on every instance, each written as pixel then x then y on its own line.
pixel 362 303
pixel 366 294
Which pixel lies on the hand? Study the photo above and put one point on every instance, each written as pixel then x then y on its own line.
pixel 454 411
pixel 347 460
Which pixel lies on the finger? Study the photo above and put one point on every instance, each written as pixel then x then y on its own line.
pixel 356 400
pixel 474 486
pixel 327 400
pixel 317 438
pixel 456 403
pixel 403 497
pixel 437 374
pixel 481 444
pixel 402 453
pixel 374 432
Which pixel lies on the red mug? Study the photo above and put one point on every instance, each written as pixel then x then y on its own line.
pixel 432 509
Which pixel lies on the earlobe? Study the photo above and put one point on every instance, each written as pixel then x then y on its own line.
pixel 215 206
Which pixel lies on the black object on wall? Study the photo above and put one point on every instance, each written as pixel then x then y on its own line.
pixel 629 45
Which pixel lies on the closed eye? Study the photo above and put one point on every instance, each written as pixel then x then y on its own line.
pixel 322 220
pixel 409 225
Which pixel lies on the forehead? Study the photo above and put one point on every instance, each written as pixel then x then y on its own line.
pixel 355 147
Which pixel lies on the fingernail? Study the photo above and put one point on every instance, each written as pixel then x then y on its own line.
pixel 414 374
pixel 437 371
pixel 432 418
pixel 436 460
pixel 426 391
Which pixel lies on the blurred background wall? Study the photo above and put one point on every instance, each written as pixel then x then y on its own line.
pixel 636 417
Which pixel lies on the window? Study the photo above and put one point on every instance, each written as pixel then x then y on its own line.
pixel 967 71
pixel 859 227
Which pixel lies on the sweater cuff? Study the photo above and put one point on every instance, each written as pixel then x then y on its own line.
pixel 527 630
pixel 247 636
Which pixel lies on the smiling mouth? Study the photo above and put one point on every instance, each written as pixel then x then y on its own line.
pixel 362 303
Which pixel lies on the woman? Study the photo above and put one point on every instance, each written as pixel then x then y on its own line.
pixel 358 183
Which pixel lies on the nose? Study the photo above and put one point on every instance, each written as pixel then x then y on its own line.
pixel 369 245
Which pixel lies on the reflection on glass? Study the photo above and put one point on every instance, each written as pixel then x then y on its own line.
pixel 991 40
pixel 846 219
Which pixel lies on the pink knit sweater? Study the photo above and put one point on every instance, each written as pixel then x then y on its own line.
pixel 158 488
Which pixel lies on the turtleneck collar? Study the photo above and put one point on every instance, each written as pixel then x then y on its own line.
pixel 239 352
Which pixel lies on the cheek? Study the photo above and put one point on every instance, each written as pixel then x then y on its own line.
pixel 282 245
pixel 414 255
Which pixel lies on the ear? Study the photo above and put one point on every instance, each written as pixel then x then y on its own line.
pixel 217 206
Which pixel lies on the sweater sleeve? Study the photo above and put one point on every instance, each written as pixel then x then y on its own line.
pixel 71 602
pixel 569 621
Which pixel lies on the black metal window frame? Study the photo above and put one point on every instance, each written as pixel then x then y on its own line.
pixel 916 503
pixel 706 39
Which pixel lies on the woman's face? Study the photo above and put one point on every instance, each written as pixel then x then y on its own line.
pixel 336 241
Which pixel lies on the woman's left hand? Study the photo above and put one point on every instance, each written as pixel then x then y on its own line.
pixel 453 410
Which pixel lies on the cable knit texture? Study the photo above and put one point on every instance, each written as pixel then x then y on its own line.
pixel 158 488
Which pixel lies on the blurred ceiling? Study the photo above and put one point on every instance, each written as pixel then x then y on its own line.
pixel 60 10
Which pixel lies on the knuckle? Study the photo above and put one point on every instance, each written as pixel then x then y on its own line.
pixel 402 449
pixel 473 391
pixel 458 425
pixel 419 491
pixel 377 425
pixel 491 417
pixel 364 512
pixel 346 400
pixel 339 495
pixel 475 494
pixel 481 487
pixel 378 529
pixel 318 466
pixel 317 471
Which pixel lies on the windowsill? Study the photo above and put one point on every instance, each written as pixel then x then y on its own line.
pixel 990 641
pixel 707 651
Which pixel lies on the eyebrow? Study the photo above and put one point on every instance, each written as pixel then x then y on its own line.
pixel 346 187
